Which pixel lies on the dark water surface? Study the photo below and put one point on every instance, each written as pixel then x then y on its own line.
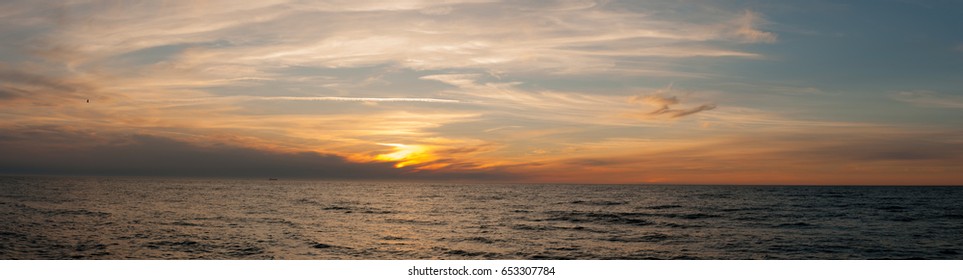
pixel 119 218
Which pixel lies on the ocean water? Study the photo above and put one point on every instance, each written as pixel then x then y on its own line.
pixel 129 218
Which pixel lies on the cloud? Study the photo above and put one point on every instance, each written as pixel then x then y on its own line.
pixel 427 7
pixel 501 128
pixel 685 112
pixel 663 101
pixel 15 77
pixel 560 37
pixel 656 100
pixel 11 93
pixel 78 153
pixel 190 66
pixel 899 149
pixel 930 99
pixel 746 29
pixel 458 80
pixel 19 84
pixel 358 99
pixel 500 97
pixel 830 155
pixel 866 145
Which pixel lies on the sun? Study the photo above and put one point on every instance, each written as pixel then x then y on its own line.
pixel 404 155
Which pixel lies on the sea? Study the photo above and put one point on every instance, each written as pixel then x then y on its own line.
pixel 159 219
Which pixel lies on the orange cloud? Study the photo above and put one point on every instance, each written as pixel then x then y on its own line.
pixel 405 155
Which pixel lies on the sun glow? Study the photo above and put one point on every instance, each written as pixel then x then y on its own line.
pixel 405 155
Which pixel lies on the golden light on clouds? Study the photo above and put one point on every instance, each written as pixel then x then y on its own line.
pixel 405 155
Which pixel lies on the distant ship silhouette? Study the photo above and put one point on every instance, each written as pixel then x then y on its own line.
pixel 272 179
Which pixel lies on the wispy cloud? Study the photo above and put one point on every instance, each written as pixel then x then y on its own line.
pixel 850 155
pixel 557 37
pixel 358 99
pixel 656 100
pixel 458 80
pixel 676 113
pixel 747 29
pixel 930 99
pixel 663 101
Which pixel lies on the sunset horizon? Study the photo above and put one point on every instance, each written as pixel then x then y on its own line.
pixel 565 139
pixel 601 92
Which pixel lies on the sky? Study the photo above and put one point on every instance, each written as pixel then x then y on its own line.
pixel 636 92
